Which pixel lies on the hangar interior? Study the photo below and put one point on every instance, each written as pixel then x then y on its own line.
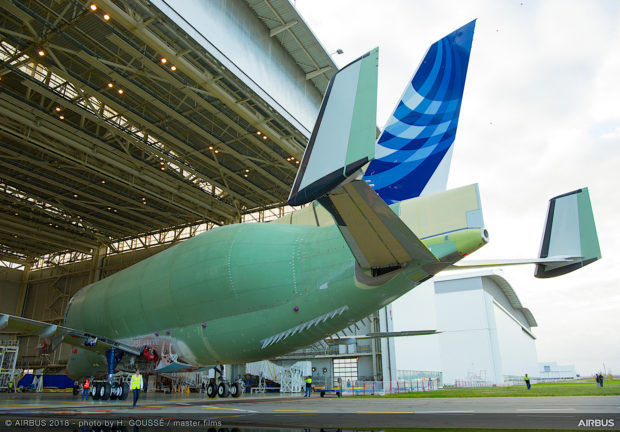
pixel 129 126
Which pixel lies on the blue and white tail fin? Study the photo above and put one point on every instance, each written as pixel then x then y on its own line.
pixel 412 155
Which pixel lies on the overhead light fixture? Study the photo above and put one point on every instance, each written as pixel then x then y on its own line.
pixel 102 181
pixel 264 137
pixel 247 170
pixel 173 68
pixel 258 132
pixel 57 109
pixel 217 151
pixel 93 7
pixel 106 17
pixel 121 91
pixel 41 53
pixel 75 195
pixel 110 85
pixel 164 60
pixel 297 162
pixel 245 175
pixel 62 117
pixel 210 147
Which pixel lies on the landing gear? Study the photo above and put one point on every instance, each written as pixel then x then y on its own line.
pixel 222 389
pixel 119 391
pixel 110 389
pixel 235 389
pixel 211 390
pixel 104 391
pixel 95 390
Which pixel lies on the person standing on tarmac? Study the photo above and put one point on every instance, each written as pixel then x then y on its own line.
pixel 85 389
pixel 527 381
pixel 308 386
pixel 136 385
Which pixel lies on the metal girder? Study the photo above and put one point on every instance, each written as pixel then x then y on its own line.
pixel 145 153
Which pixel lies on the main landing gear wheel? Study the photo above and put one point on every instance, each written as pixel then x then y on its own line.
pixel 125 391
pixel 222 390
pixel 95 391
pixel 117 391
pixel 104 391
pixel 211 390
pixel 235 389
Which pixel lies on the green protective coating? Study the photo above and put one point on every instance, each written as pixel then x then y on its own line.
pixel 362 136
pixel 229 295
pixel 587 228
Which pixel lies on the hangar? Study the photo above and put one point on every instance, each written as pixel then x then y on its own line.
pixel 486 332
pixel 124 130
pixel 127 127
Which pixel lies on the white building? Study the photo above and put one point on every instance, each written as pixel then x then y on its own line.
pixel 552 370
pixel 485 331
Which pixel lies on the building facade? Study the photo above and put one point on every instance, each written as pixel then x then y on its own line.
pixel 485 333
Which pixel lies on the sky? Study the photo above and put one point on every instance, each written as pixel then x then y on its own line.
pixel 540 117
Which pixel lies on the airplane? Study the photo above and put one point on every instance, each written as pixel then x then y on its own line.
pixel 376 222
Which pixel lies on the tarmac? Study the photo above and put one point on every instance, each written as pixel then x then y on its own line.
pixel 163 412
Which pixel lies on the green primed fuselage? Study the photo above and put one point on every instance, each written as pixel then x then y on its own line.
pixel 216 298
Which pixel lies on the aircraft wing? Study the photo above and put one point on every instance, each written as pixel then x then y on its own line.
pixel 58 334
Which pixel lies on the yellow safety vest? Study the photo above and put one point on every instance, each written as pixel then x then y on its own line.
pixel 308 380
pixel 136 381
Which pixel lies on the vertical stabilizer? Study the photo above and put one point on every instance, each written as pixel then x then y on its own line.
pixel 569 231
pixel 412 155
pixel 344 134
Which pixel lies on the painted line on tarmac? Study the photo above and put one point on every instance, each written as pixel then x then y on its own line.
pixel 385 412
pixel 446 412
pixel 310 411
pixel 227 409
pixel 546 409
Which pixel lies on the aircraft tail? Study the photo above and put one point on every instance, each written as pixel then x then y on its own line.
pixel 343 138
pixel 341 144
pixel 413 153
pixel 570 232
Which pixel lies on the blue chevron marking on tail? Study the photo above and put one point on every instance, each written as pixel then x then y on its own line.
pixel 412 155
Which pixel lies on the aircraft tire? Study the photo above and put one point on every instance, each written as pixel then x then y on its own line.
pixel 96 393
pixel 235 390
pixel 223 390
pixel 105 391
pixel 211 390
pixel 125 391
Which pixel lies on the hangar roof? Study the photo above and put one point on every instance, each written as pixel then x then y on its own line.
pixel 101 140
pixel 496 276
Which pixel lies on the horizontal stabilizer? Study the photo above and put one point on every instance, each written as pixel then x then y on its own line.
pixel 353 338
pixel 569 230
pixel 58 334
pixel 376 236
pixel 569 241
pixel 343 138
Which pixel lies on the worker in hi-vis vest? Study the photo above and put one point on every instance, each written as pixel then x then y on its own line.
pixel 136 385
pixel 308 386
pixel 85 389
